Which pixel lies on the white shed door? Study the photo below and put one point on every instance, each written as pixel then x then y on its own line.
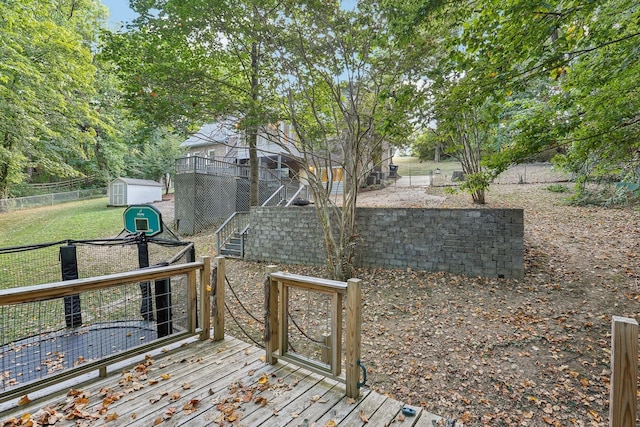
pixel 118 194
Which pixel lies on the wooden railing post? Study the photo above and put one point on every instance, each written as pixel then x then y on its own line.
pixel 624 370
pixel 336 334
pixel 354 322
pixel 325 355
pixel 205 298
pixel 192 301
pixel 218 320
pixel 271 344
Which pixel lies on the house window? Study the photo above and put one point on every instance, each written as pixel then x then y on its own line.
pixel 211 154
pixel 335 174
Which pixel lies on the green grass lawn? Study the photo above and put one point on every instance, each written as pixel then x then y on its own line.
pixel 412 166
pixel 86 219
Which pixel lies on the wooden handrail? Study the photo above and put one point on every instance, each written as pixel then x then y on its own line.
pixel 71 287
pixel 310 283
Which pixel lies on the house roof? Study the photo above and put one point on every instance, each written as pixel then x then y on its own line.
pixel 134 181
pixel 212 133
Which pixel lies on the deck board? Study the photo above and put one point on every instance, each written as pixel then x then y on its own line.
pixel 209 383
pixel 389 410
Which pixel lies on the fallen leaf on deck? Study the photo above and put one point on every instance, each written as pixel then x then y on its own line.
pixel 191 406
pixel 111 417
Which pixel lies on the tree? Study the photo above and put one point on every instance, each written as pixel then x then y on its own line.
pixel 159 158
pixel 46 86
pixel 346 99
pixel 188 62
pixel 458 114
pixel 573 65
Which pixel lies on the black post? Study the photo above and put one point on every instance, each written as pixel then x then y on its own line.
pixel 163 307
pixel 146 305
pixel 69 266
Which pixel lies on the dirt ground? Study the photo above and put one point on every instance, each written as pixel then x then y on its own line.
pixel 498 352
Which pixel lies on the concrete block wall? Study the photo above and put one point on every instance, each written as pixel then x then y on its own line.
pixel 475 242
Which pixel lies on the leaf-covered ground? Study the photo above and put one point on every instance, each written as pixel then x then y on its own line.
pixel 532 352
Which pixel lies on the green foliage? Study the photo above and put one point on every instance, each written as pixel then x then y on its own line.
pixel 557 188
pixel 477 184
pixel 562 75
pixel 47 120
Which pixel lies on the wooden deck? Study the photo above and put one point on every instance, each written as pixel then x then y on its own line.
pixel 217 383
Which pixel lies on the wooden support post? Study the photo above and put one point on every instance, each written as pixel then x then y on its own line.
pixel 354 325
pixel 218 320
pixel 192 301
pixel 205 298
pixel 283 318
pixel 624 370
pixel 271 344
pixel 336 332
pixel 325 355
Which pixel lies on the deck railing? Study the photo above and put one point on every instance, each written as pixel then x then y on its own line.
pixel 110 303
pixel 278 326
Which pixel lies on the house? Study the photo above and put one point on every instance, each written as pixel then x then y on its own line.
pixel 223 141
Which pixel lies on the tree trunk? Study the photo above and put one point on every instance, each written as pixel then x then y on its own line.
pixel 4 169
pixel 254 196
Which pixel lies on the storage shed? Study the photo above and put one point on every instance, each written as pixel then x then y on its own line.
pixel 129 191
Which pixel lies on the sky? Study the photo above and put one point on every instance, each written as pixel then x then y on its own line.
pixel 119 12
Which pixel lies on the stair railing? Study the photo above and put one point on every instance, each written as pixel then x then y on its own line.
pixel 276 197
pixel 303 190
pixel 236 222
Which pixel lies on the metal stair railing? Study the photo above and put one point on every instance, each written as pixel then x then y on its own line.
pixel 234 224
pixel 238 223
pixel 299 192
pixel 276 197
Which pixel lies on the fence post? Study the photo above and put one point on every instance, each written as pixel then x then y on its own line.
pixel 271 317
pixel 354 325
pixel 69 266
pixel 218 320
pixel 205 298
pixel 624 370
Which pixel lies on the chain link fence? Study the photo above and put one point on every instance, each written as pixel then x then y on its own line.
pixel 20 203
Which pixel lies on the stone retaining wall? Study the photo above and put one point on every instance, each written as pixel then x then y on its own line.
pixel 475 242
